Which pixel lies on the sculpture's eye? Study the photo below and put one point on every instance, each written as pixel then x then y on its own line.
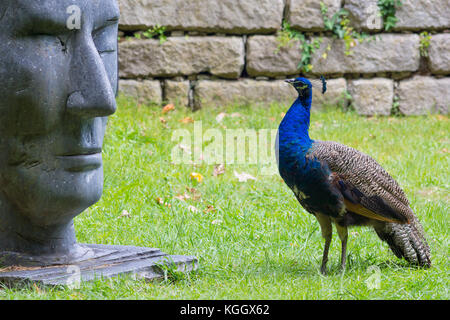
pixel 105 40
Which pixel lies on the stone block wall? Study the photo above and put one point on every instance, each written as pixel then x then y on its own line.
pixel 220 52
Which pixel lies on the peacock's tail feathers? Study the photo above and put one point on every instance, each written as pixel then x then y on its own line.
pixel 406 241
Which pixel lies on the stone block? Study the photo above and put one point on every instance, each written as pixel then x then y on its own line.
pixel 386 53
pixel 439 53
pixel 372 96
pixel 334 96
pixel 211 16
pixel 177 92
pixel 306 14
pixel 265 59
pixel 423 95
pixel 421 15
pixel 220 56
pixel 364 15
pixel 223 93
pixel 143 91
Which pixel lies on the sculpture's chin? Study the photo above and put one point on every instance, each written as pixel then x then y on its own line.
pixel 49 198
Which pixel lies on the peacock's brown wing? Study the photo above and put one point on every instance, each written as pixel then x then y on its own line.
pixel 367 188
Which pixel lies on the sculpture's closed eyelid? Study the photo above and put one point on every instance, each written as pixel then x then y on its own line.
pixel 105 39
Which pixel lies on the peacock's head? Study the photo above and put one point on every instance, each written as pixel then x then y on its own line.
pixel 304 86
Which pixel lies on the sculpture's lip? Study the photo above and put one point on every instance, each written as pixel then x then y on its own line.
pixel 82 152
pixel 81 162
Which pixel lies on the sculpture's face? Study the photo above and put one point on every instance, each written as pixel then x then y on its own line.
pixel 58 80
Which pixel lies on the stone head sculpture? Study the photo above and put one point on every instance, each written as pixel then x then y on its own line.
pixel 58 81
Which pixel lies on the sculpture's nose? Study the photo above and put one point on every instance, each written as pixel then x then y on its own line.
pixel 92 93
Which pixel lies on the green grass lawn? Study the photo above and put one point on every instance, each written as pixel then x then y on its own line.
pixel 252 239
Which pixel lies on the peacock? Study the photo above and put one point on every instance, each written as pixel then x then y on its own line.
pixel 343 186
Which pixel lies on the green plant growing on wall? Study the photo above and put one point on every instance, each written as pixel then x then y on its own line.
pixel 307 47
pixel 339 25
pixel 425 39
pixel 154 32
pixel 388 10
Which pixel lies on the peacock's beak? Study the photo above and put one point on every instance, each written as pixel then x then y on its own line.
pixel 290 81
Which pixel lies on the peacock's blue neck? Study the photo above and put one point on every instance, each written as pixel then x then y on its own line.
pixel 293 132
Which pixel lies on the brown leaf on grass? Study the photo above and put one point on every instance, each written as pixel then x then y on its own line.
pixel 192 209
pixel 195 194
pixel 220 116
pixel 196 177
pixel 162 120
pixel 182 197
pixel 125 213
pixel 162 202
pixel 218 170
pixel 243 177
pixel 36 288
pixel 186 120
pixel 168 108
pixel 209 208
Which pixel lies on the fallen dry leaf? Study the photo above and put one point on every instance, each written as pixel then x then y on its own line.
pixel 209 208
pixel 161 202
pixel 168 108
pixel 162 120
pixel 243 177
pixel 182 197
pixel 196 176
pixel 221 116
pixel 195 194
pixel 125 213
pixel 192 209
pixel 218 170
pixel 187 120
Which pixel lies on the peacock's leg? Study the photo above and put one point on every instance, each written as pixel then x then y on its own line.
pixel 327 234
pixel 343 235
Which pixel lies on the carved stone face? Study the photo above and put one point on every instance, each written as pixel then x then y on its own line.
pixel 57 86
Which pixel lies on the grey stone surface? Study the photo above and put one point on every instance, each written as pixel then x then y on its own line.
pixel 335 95
pixel 225 16
pixel 106 261
pixel 364 15
pixel 388 53
pixel 177 92
pixel 220 56
pixel 263 61
pixel 423 15
pixel 223 93
pixel 439 53
pixel 143 91
pixel 372 96
pixel 306 14
pixel 56 98
pixel 423 95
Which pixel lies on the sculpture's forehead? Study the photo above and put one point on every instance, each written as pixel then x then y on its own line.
pixel 57 10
